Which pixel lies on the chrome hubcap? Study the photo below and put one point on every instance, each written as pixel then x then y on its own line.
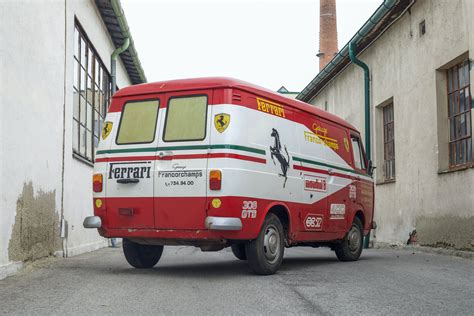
pixel 271 244
pixel 354 239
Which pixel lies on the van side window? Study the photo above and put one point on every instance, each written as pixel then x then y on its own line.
pixel 138 122
pixel 186 119
pixel 359 162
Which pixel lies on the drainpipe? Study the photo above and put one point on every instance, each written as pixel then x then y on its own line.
pixel 364 66
pixel 122 21
pixel 113 62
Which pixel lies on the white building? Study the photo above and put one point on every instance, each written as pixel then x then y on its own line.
pixel 55 86
pixel 420 58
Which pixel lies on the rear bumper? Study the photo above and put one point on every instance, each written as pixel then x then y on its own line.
pixel 223 223
pixel 92 222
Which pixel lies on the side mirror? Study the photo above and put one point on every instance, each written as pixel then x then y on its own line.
pixel 370 168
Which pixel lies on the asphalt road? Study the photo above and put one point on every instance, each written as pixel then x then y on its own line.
pixel 187 281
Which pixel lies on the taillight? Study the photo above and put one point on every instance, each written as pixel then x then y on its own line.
pixel 97 182
pixel 215 180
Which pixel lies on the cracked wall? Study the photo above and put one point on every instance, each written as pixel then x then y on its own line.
pixel 36 229
pixel 446 231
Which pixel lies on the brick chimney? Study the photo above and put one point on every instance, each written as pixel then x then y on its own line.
pixel 327 32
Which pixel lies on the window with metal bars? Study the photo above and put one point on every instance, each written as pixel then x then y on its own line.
pixel 92 90
pixel 388 143
pixel 459 115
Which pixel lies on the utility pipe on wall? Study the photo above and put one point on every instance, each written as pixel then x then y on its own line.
pixel 364 66
pixel 113 62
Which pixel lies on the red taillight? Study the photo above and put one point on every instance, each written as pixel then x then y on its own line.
pixel 97 182
pixel 215 180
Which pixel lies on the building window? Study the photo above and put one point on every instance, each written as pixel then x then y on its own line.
pixel 459 115
pixel 91 96
pixel 388 143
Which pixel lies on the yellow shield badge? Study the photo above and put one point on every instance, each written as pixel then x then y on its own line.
pixel 221 121
pixel 106 129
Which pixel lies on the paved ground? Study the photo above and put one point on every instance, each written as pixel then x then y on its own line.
pixel 187 281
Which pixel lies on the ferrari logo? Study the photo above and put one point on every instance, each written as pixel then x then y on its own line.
pixel 221 121
pixel 346 144
pixel 106 129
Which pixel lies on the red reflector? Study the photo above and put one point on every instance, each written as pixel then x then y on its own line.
pixel 97 182
pixel 215 180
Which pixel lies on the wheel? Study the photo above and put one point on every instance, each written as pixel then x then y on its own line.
pixel 239 251
pixel 351 246
pixel 141 256
pixel 265 253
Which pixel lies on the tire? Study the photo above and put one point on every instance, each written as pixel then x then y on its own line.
pixel 351 246
pixel 239 251
pixel 141 256
pixel 265 253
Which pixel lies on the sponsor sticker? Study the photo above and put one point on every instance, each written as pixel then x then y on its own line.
pixel 130 170
pixel 337 211
pixel 98 203
pixel 180 177
pixel 314 183
pixel 221 122
pixel 313 222
pixel 106 129
pixel 352 191
pixel 249 209
pixel 216 203
pixel 270 107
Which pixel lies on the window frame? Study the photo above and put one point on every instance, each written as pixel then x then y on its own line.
pixel 386 142
pixel 166 118
pixel 451 117
pixel 361 152
pixel 96 76
pixel 122 115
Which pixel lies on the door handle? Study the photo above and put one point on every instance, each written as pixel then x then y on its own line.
pixel 330 171
pixel 165 154
pixel 124 181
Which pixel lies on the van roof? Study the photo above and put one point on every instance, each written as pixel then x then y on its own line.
pixel 224 82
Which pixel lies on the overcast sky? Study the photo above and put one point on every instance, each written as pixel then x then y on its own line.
pixel 267 42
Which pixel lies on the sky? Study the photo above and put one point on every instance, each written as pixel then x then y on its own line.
pixel 267 42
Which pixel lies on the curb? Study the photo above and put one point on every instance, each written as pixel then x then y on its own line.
pixel 440 251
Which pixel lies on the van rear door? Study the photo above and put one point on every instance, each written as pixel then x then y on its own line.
pixel 181 165
pixel 130 164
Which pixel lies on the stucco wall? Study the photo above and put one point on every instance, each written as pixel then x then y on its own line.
pixel 406 68
pixel 32 82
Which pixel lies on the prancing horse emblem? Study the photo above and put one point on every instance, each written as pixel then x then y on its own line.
pixel 221 121
pixel 106 129
pixel 276 151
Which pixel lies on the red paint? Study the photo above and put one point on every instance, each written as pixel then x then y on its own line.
pixel 189 156
pixel 155 89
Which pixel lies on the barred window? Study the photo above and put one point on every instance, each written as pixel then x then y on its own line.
pixel 388 143
pixel 459 115
pixel 91 90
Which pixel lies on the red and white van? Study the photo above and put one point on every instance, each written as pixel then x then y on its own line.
pixel 217 162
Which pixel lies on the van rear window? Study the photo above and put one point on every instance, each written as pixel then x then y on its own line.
pixel 138 122
pixel 186 119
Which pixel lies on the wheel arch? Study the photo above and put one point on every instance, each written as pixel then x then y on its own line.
pixel 360 215
pixel 281 210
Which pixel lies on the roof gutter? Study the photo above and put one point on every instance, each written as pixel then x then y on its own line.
pixel 343 54
pixel 118 11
